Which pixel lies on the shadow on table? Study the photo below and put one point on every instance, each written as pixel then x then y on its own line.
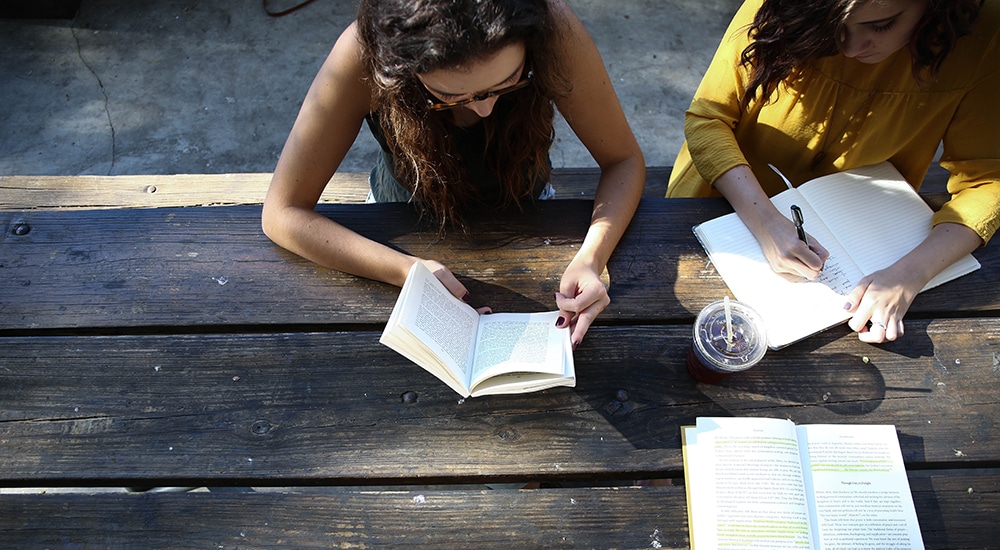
pixel 647 394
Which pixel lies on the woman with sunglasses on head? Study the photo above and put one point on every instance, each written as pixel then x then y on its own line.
pixel 816 87
pixel 460 95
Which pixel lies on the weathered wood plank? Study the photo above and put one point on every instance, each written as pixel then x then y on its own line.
pixel 157 191
pixel 163 191
pixel 186 267
pixel 564 518
pixel 956 510
pixel 289 409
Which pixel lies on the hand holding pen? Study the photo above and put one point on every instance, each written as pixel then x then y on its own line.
pixel 799 220
pixel 785 253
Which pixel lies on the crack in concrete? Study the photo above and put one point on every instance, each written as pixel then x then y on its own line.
pixel 107 100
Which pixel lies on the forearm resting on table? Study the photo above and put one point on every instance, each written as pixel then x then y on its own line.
pixel 946 243
pixel 329 244
pixel 618 194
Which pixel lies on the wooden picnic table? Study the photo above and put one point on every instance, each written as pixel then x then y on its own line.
pixel 176 346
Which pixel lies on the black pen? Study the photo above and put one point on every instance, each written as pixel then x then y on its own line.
pixel 797 219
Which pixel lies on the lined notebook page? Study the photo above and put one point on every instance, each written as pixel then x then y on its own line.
pixel 840 271
pixel 790 310
pixel 878 216
pixel 874 214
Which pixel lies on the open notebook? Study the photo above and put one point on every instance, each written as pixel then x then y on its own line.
pixel 868 218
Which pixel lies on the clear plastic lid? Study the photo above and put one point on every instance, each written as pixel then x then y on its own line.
pixel 721 351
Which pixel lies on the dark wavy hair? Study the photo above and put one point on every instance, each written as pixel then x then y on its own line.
pixel 403 38
pixel 786 35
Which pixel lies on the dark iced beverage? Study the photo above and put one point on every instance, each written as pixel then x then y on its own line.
pixel 725 343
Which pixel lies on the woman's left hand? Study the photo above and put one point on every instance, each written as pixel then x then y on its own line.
pixel 879 302
pixel 592 110
pixel 885 296
pixel 581 297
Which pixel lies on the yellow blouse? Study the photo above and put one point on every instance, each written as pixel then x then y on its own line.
pixel 858 115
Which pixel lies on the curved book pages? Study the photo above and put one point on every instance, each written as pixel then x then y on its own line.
pixel 477 354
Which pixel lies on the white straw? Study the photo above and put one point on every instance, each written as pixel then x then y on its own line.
pixel 729 322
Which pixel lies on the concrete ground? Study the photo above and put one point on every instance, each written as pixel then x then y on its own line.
pixel 213 86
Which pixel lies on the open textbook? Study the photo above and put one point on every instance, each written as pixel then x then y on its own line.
pixel 867 218
pixel 766 483
pixel 477 354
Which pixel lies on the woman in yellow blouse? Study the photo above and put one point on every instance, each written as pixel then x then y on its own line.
pixel 829 85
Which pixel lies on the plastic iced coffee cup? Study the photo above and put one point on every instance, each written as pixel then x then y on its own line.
pixel 724 344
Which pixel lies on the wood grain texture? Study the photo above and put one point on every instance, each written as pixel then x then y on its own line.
pixel 953 506
pixel 205 267
pixel 280 409
pixel 564 518
pixel 156 191
pixel 957 509
pixel 164 191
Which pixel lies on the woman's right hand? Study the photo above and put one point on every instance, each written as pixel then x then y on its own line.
pixel 786 253
pixel 775 233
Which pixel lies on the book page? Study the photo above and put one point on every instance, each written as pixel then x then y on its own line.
pixel 433 328
pixel 446 324
pixel 791 309
pixel 860 493
pixel 523 382
pixel 877 216
pixel 745 485
pixel 519 342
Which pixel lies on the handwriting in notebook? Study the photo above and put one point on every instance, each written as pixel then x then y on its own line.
pixel 836 277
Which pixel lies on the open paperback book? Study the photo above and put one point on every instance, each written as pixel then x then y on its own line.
pixel 867 218
pixel 477 354
pixel 766 483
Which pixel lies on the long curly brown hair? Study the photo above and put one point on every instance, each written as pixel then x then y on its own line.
pixel 403 38
pixel 787 34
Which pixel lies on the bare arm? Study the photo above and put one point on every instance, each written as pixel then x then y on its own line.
pixel 329 121
pixel 594 113
pixel 775 233
pixel 885 296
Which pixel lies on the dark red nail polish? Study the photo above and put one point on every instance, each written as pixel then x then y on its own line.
pixel 560 321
